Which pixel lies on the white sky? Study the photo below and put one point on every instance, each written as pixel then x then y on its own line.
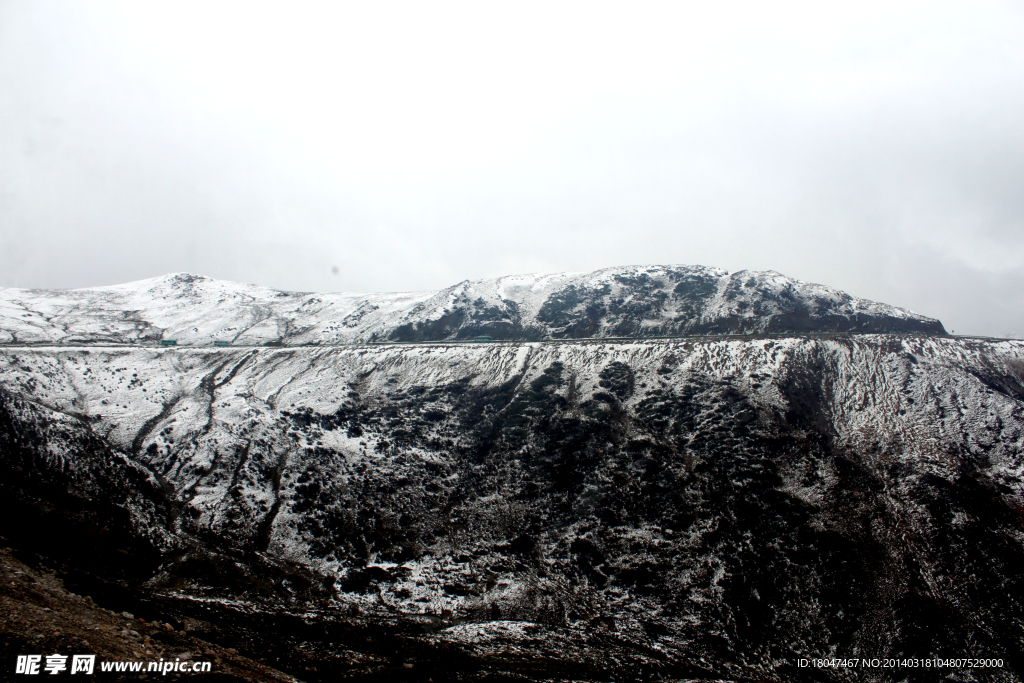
pixel 878 148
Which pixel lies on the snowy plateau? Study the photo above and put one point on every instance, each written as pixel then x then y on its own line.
pixel 653 473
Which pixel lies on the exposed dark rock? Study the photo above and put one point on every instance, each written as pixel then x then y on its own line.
pixel 653 511
pixel 622 302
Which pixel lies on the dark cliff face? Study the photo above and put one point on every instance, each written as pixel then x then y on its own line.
pixel 647 511
pixel 662 302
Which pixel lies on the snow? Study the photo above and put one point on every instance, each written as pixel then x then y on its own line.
pixel 196 310
pixel 922 410
pixel 932 404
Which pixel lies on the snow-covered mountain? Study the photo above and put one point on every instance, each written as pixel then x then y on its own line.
pixel 647 301
pixel 694 509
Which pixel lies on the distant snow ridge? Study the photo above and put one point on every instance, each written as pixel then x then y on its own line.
pixel 629 301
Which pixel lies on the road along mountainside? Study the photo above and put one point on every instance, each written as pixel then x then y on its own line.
pixel 656 510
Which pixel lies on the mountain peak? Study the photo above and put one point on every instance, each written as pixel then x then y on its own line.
pixel 639 301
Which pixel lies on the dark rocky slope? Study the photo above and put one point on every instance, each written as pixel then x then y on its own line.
pixel 632 302
pixel 662 510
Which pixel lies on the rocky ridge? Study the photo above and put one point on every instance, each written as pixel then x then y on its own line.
pixel 631 302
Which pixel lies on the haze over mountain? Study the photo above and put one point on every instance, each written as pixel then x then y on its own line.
pixel 637 301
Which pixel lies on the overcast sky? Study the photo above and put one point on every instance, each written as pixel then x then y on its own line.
pixel 379 146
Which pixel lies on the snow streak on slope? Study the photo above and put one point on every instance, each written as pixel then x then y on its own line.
pixel 914 392
pixel 740 503
pixel 615 302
